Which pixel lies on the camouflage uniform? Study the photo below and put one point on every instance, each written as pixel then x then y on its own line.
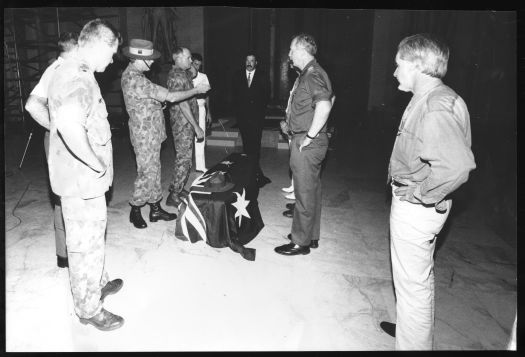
pixel 147 131
pixel 183 133
pixel 81 189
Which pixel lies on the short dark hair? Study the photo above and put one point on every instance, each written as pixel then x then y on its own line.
pixel 196 56
pixel 177 51
pixel 308 42
pixel 100 30
pixel 67 41
pixel 251 53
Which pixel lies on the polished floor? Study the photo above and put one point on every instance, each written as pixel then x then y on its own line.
pixel 179 296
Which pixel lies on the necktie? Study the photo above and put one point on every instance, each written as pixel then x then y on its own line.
pixel 249 78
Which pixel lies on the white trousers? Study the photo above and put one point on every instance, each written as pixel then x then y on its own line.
pixel 413 229
pixel 200 162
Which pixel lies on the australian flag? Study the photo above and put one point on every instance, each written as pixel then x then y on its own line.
pixel 228 218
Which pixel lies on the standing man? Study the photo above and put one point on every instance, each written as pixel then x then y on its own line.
pixel 308 111
pixel 37 106
pixel 147 128
pixel 203 101
pixel 430 160
pixel 184 118
pixel 81 168
pixel 251 92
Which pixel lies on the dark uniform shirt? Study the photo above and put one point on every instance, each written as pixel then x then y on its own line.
pixel 312 86
pixel 146 118
pixel 74 84
pixel 180 80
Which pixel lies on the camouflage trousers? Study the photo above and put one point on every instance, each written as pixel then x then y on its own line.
pixel 60 233
pixel 147 187
pixel 183 135
pixel 85 222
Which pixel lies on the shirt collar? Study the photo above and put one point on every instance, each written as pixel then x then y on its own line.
pixel 252 72
pixel 81 63
pixel 308 65
pixel 427 87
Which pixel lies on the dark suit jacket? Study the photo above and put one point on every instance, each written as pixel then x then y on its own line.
pixel 250 102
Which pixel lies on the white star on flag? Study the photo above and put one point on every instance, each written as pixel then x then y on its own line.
pixel 241 205
pixel 226 162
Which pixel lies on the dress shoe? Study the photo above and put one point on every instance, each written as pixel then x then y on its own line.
pixel 135 217
pixel 111 287
pixel 62 262
pixel 263 181
pixel 290 206
pixel 388 327
pixel 314 244
pixel 173 200
pixel 290 196
pixel 156 212
pixel 292 249
pixel 104 320
pixel 288 213
pixel 287 189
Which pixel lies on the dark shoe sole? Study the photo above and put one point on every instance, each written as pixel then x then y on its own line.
pixel 288 214
pixel 289 254
pixel 137 226
pixel 111 292
pixel 102 328
pixel 313 244
pixel 389 328
pixel 162 219
pixel 62 262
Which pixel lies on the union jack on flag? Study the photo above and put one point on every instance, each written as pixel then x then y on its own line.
pixel 191 225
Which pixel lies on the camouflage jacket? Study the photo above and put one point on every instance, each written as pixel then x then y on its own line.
pixel 143 100
pixel 74 84
pixel 180 80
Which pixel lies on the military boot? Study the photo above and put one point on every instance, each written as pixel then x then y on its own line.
pixel 156 212
pixel 135 217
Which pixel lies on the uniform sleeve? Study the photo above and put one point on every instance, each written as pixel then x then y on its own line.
pixel 318 87
pixel 78 92
pixel 148 89
pixel 42 86
pixel 177 81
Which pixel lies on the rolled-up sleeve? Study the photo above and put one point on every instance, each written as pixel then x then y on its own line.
pixel 318 88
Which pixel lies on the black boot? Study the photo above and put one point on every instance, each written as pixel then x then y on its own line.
pixel 157 213
pixel 135 217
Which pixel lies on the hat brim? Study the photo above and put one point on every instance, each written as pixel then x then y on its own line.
pixel 156 54
pixel 227 186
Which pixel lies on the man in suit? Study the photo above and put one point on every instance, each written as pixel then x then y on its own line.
pixel 251 92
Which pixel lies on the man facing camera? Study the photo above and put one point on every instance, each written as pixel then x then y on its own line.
pixel 251 92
